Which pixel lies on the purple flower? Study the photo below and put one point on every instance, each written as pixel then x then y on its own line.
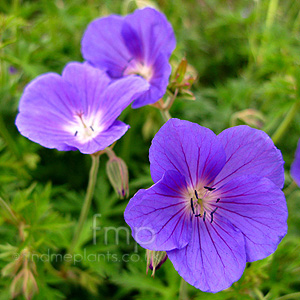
pixel 295 167
pixel 140 43
pixel 216 202
pixel 78 110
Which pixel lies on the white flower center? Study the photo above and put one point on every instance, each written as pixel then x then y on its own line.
pixel 84 128
pixel 140 69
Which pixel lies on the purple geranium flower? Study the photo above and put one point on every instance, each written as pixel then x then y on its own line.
pixel 78 110
pixel 295 167
pixel 216 202
pixel 140 43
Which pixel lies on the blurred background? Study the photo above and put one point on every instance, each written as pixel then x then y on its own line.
pixel 246 57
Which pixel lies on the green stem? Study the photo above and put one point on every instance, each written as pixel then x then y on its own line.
pixel 289 296
pixel 273 4
pixel 165 115
pixel 183 295
pixel 286 122
pixel 87 201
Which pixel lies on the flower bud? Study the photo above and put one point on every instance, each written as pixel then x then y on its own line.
pixel 17 284
pixel 182 80
pixel 117 172
pixel 155 259
pixel 29 285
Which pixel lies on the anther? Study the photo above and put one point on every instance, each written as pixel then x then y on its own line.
pixel 204 215
pixel 218 200
pixel 92 128
pixel 196 194
pixel 209 188
pixel 192 205
pixel 212 214
pixel 75 133
pixel 199 215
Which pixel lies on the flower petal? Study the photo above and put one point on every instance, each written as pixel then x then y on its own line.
pixel 158 83
pixel 158 216
pixel 257 207
pixel 295 167
pixel 103 140
pixel 45 109
pixel 214 258
pixel 250 151
pixel 88 83
pixel 154 31
pixel 77 110
pixel 103 45
pixel 188 148
pixel 119 95
pixel 132 41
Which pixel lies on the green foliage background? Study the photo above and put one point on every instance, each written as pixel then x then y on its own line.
pixel 246 54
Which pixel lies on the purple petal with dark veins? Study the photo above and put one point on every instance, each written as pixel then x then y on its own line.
pixel 188 148
pixel 250 151
pixel 158 216
pixel 257 207
pixel 295 167
pixel 214 258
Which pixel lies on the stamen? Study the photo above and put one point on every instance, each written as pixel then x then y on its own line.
pixel 199 215
pixel 209 188
pixel 196 194
pixel 212 214
pixel 218 200
pixel 204 215
pixel 92 128
pixel 214 210
pixel 192 205
pixel 76 133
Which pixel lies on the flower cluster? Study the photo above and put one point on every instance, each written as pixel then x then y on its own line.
pixel 216 202
pixel 127 60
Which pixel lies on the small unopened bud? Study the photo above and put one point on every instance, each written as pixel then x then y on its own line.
pixel 181 70
pixel 117 172
pixel 29 285
pixel 17 284
pixel 250 117
pixel 182 80
pixel 155 259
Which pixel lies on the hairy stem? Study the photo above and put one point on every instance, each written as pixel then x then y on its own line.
pixel 183 295
pixel 273 4
pixel 165 115
pixel 87 201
